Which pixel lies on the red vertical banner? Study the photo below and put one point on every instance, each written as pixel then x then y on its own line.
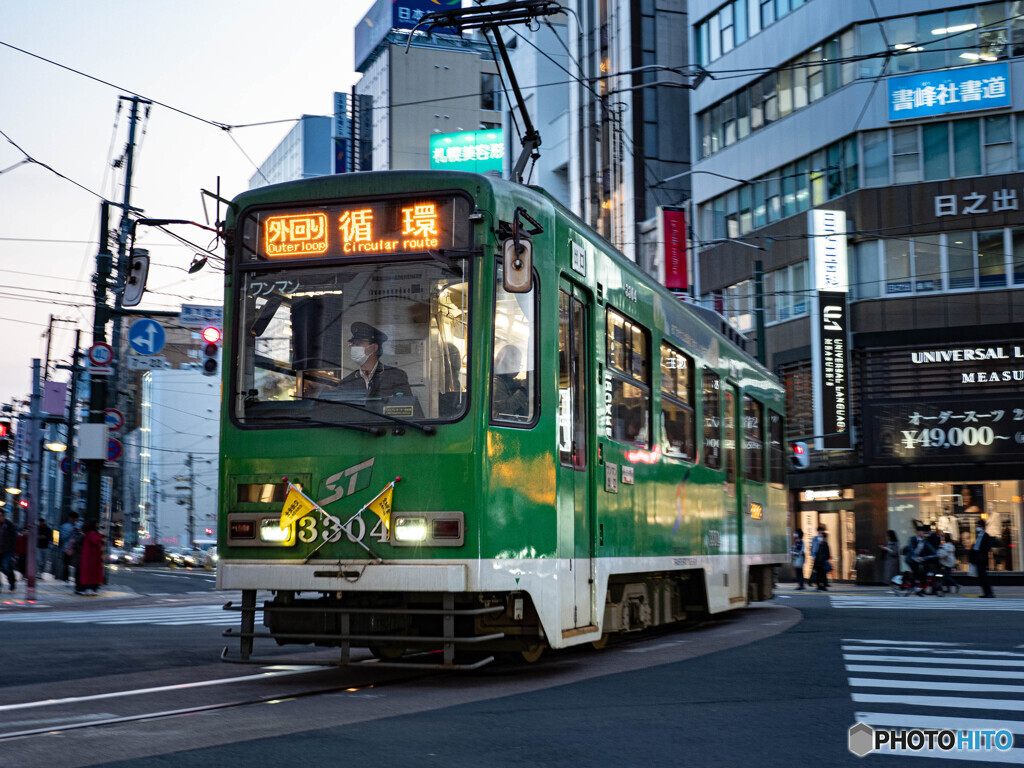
pixel 677 276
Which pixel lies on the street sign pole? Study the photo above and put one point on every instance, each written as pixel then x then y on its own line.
pixel 35 446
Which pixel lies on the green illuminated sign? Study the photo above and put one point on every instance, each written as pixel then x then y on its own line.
pixel 473 151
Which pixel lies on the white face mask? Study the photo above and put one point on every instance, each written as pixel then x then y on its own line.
pixel 358 355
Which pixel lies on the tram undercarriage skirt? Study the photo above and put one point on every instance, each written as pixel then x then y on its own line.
pixel 344 638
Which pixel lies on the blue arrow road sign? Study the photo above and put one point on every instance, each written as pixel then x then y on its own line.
pixel 146 337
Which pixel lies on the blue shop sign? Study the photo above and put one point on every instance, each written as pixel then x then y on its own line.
pixel 949 91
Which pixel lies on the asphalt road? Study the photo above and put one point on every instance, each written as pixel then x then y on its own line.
pixel 775 685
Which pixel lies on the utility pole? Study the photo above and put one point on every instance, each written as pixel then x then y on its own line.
pixel 190 463
pixel 98 384
pixel 99 391
pixel 67 483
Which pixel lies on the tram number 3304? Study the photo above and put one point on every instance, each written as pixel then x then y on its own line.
pixel 331 529
pixel 954 437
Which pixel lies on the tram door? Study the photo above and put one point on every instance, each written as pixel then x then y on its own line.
pixel 574 449
pixel 732 486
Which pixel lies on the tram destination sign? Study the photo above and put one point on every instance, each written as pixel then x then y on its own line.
pixel 941 430
pixel 355 229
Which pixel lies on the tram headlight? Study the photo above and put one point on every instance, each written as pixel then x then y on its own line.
pixel 410 529
pixel 271 531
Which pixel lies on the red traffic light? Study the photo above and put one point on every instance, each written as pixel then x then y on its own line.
pixel 22 503
pixel 5 427
pixel 211 334
pixel 799 449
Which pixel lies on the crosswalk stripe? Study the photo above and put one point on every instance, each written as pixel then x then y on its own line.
pixel 935 660
pixel 928 603
pixel 901 642
pixel 965 679
pixel 1002 674
pixel 954 702
pixel 892 719
pixel 870 682
pixel 963 651
pixel 170 616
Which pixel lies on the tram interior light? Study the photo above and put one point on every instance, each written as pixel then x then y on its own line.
pixel 410 529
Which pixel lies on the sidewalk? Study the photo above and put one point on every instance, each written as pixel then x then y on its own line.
pixel 51 591
pixel 788 588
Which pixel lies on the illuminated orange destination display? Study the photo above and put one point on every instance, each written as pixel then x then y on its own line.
pixel 300 235
pixel 365 229
pixel 418 231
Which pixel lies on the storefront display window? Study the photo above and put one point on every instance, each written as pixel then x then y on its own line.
pixel 956 508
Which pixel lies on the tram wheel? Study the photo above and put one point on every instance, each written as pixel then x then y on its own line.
pixel 532 653
pixel 387 652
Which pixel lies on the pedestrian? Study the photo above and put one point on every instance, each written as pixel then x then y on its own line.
pixel 73 550
pixel 796 552
pixel 947 560
pixel 979 558
pixel 890 557
pixel 90 567
pixel 43 537
pixel 923 558
pixel 8 546
pixel 21 552
pixel 66 529
pixel 822 566
pixel 815 543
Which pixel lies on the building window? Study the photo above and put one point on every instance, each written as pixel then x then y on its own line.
pixel 927 263
pixel 906 155
pixel 1018 256
pixel 875 155
pixel 897 266
pixel 936 151
pixel 490 91
pixel 998 145
pixel 960 260
pixel 991 259
pixel 966 148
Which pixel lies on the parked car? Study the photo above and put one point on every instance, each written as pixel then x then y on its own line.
pixel 137 556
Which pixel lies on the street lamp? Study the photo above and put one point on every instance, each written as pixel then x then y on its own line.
pixel 13 491
pixel 56 446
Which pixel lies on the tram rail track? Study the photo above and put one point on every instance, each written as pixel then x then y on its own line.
pixel 88 719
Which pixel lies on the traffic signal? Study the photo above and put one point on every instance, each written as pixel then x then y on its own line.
pixel 211 349
pixel 800 457
pixel 5 437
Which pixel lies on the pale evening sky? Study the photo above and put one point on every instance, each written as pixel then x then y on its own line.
pixel 226 62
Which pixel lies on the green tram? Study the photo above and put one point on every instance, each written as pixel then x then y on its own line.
pixel 556 448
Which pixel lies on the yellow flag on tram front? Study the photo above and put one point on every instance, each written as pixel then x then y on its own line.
pixel 381 505
pixel 296 506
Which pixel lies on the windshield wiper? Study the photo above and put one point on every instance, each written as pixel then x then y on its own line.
pixel 426 429
pixel 376 431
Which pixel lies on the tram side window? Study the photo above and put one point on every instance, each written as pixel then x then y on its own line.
pixel 711 397
pixel 677 420
pixel 627 386
pixel 514 380
pixel 776 449
pixel 753 440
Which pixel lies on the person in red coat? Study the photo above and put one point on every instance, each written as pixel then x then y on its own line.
pixel 92 559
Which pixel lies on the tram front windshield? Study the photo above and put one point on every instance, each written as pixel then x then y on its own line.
pixel 353 344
